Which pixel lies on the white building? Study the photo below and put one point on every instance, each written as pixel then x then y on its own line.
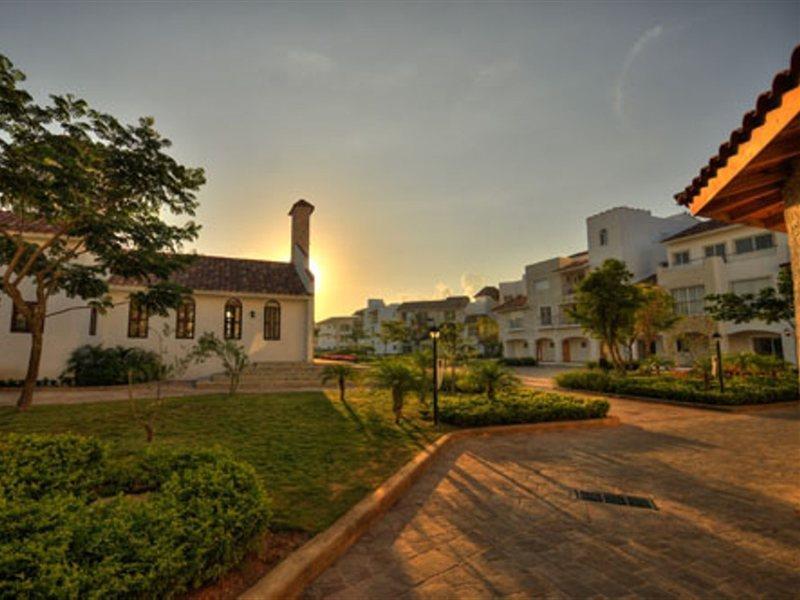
pixel 713 257
pixel 266 306
pixel 534 317
pixel 335 332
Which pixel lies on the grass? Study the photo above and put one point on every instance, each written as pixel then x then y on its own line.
pixel 316 456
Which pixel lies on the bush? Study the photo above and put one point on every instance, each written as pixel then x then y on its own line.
pixel 94 365
pixel 519 362
pixel 738 391
pixel 63 538
pixel 519 407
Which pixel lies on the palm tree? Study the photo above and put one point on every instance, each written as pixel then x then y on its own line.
pixel 492 376
pixel 422 361
pixel 395 375
pixel 341 374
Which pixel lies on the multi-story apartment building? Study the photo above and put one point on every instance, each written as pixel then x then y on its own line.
pixel 423 314
pixel 372 317
pixel 534 317
pixel 713 257
pixel 335 332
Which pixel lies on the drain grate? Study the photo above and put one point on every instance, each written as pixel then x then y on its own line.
pixel 618 499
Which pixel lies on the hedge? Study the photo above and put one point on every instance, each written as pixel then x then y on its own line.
pixel 738 391
pixel 193 516
pixel 95 365
pixel 518 407
pixel 519 362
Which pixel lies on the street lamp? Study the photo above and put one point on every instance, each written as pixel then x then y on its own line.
pixel 434 333
pixel 720 372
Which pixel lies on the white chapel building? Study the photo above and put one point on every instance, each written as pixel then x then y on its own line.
pixel 266 306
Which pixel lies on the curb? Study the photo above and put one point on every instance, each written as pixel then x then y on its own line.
pixel 299 569
pixel 726 408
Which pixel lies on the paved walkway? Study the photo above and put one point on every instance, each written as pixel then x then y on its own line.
pixel 495 517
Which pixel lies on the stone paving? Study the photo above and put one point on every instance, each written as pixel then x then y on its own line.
pixel 496 517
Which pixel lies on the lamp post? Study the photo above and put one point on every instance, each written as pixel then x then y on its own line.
pixel 720 371
pixel 434 334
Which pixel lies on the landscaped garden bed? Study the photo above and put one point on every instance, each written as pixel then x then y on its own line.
pixel 739 390
pixel 518 406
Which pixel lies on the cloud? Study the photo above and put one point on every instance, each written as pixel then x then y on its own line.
pixel 442 290
pixel 471 283
pixel 635 50
pixel 308 63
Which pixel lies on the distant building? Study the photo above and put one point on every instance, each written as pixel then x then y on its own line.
pixel 335 332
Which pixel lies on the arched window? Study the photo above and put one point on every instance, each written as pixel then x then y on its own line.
pixel 233 319
pixel 184 320
pixel 138 320
pixel 604 237
pixel 272 320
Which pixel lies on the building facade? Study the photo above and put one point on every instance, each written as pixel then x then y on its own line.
pixel 265 306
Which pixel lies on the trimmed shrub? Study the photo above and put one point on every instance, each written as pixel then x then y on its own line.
pixel 94 365
pixel 519 362
pixel 199 516
pixel 519 407
pixel 738 391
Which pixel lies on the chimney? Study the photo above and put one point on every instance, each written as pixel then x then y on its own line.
pixel 301 234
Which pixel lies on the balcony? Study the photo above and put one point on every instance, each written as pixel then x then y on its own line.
pixel 560 320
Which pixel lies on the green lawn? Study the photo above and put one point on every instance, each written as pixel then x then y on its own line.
pixel 316 456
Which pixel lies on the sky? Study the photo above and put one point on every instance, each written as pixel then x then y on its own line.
pixel 444 145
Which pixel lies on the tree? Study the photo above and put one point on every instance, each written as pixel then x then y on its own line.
pixel 451 335
pixel 341 374
pixel 770 304
pixel 491 376
pixel 233 356
pixel 396 332
pixel 395 375
pixel 655 314
pixel 357 333
pixel 422 361
pixel 489 336
pixel 146 410
pixel 605 306
pixel 94 189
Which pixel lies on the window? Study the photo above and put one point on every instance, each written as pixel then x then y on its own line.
pixel 750 286
pixel 768 345
pixel 680 258
pixel 689 300
pixel 232 326
pixel 715 250
pixel 272 320
pixel 19 323
pixel 515 323
pixel 184 320
pixel 762 241
pixel 604 237
pixel 450 315
pixel 541 285
pixel 93 321
pixel 138 320
pixel 545 315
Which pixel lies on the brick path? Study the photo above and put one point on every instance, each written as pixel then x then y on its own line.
pixel 494 517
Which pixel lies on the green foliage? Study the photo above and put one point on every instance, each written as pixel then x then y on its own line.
pixel 527 361
pixel 397 376
pixel 101 187
pixel 518 407
pixel 770 305
pixel 341 374
pixel 737 391
pixel 398 332
pixel 200 516
pixel 490 376
pixel 233 356
pixel 93 365
pixel 654 364
pixel 656 313
pixel 605 306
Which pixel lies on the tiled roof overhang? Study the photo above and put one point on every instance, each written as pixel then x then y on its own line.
pixel 743 182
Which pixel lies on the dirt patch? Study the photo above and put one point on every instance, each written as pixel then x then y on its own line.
pixel 272 549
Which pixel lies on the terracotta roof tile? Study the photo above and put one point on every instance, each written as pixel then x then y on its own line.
pixel 515 303
pixel 451 303
pixel 235 275
pixel 783 82
pixel 11 221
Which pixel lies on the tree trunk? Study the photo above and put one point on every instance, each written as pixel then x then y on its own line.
pixel 791 214
pixel 341 389
pixel 34 359
pixel 150 431
pixel 397 405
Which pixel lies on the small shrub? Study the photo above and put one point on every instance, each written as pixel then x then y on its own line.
pixel 519 407
pixel 95 365
pixel 527 361
pixel 202 512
